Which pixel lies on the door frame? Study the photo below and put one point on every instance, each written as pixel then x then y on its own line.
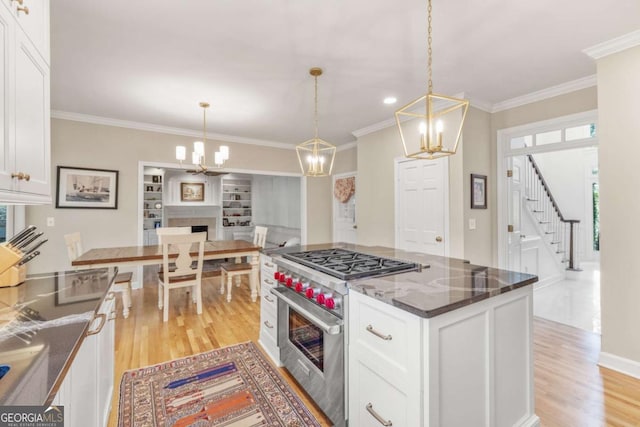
pixel 504 151
pixel 396 201
pixel 334 202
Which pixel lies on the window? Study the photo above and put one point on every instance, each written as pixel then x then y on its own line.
pixel 595 191
pixel 522 141
pixel 580 132
pixel 549 137
pixel 3 223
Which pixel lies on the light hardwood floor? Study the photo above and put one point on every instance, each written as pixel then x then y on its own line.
pixel 571 390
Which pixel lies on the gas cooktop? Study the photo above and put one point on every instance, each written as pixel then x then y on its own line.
pixel 348 265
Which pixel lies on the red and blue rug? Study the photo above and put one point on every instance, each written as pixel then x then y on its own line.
pixel 232 386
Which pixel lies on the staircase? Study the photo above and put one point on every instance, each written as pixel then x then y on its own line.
pixel 556 230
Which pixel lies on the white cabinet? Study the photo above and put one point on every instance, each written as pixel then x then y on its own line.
pixel 384 364
pixel 87 388
pixel 470 366
pixel 25 166
pixel 268 309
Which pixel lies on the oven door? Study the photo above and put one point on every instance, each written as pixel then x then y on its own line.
pixel 311 342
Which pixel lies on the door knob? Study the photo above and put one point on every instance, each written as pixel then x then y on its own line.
pixel 355 226
pixel 438 239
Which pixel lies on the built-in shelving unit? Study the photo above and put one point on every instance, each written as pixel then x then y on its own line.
pixel 152 201
pixel 236 203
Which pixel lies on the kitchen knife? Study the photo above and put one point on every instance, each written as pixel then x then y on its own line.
pixel 22 239
pixel 28 241
pixel 36 246
pixel 26 259
pixel 21 235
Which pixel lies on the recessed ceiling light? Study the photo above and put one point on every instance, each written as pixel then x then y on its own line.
pixel 390 100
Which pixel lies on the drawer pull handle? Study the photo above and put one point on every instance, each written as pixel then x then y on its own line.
pixel 21 175
pixel 269 282
pixel 103 319
pixel 112 315
pixel 268 298
pixel 379 334
pixel 267 324
pixel 377 416
pixel 24 9
pixel 269 264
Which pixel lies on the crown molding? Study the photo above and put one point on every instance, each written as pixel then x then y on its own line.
pixel 547 93
pixel 347 146
pixel 374 127
pixel 86 118
pixel 615 45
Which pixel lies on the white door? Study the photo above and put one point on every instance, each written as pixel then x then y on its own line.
pixel 421 206
pixel 516 192
pixel 344 213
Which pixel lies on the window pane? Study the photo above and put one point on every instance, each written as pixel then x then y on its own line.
pixel 580 132
pixel 522 141
pixel 548 137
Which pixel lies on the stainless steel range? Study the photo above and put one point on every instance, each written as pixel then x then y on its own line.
pixel 312 314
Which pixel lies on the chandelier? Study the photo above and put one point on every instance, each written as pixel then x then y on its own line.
pixel 198 157
pixel 437 130
pixel 315 155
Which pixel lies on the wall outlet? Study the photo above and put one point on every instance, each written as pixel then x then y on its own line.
pixel 51 221
pixel 472 223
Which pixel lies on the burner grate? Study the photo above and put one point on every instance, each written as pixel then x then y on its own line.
pixel 348 265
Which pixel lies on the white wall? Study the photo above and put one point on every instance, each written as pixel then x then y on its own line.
pixel 568 175
pixel 619 134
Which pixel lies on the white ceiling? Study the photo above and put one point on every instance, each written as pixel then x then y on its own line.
pixel 153 61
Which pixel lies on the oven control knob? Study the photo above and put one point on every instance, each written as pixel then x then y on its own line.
pixel 311 292
pixel 283 278
pixel 289 281
pixel 276 276
pixel 330 303
pixel 320 299
pixel 298 287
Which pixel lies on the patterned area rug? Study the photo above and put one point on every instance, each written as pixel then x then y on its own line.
pixel 231 386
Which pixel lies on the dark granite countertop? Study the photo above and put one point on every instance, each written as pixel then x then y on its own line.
pixel 442 285
pixel 43 322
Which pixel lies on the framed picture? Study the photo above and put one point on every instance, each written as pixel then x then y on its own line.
pixel 478 191
pixel 192 191
pixel 155 178
pixel 87 188
pixel 74 288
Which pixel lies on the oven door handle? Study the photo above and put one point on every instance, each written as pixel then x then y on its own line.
pixel 325 321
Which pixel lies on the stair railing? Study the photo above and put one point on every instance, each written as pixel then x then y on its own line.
pixel 563 231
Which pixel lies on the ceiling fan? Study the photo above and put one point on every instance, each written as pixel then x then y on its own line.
pixel 206 172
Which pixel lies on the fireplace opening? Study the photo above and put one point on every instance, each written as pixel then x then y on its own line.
pixel 200 229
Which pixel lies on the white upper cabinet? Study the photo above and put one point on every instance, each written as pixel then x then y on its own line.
pixel 25 110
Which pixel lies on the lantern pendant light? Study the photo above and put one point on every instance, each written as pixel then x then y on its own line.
pixel 315 155
pixel 431 126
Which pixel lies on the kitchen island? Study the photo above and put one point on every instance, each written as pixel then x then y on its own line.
pixel 50 326
pixel 447 344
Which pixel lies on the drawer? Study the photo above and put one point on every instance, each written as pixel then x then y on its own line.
pixel 388 338
pixel 268 324
pixel 371 396
pixel 268 300
pixel 270 345
pixel 267 266
pixel 267 280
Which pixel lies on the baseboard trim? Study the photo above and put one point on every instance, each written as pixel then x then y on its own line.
pixel 275 360
pixel 620 364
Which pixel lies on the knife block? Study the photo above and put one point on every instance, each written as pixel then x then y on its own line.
pixel 10 273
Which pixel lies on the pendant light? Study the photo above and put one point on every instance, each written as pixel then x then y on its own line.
pixel 198 157
pixel 315 155
pixel 430 126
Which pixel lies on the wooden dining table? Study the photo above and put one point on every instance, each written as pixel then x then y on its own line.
pixel 135 256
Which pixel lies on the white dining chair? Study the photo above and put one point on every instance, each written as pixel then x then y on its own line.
pixel 122 282
pixel 184 272
pixel 230 270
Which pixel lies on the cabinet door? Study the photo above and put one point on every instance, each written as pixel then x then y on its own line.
pixel 32 146
pixel 105 342
pixel 36 25
pixel 81 409
pixel 6 130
